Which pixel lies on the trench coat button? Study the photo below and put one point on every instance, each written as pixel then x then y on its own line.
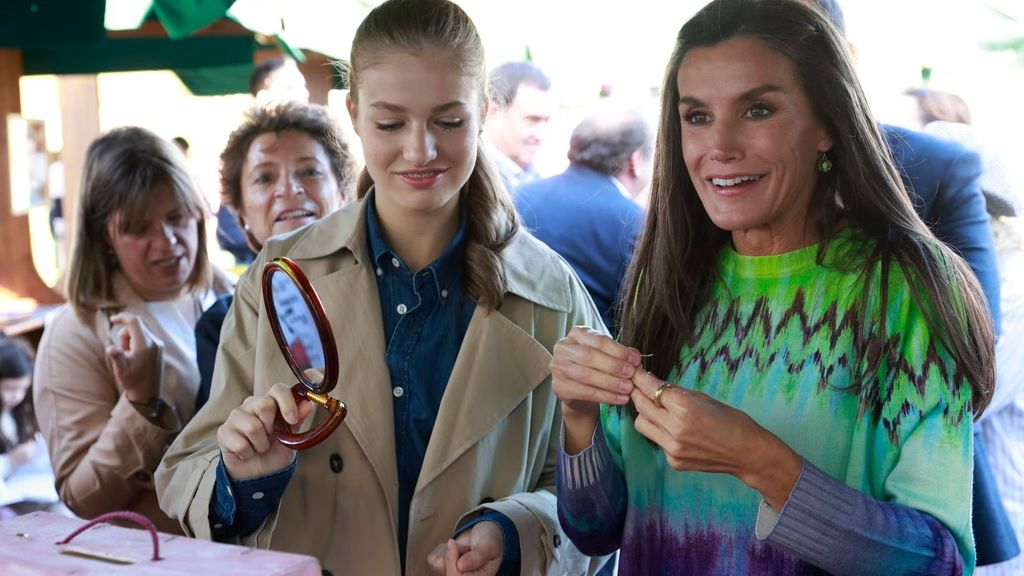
pixel 558 541
pixel 141 476
pixel 336 463
pixel 326 572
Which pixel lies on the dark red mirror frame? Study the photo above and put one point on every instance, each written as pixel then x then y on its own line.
pixel 305 389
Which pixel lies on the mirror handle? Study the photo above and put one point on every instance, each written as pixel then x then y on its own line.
pixel 301 441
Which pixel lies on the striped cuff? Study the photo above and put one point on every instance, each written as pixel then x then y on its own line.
pixel 808 524
pixel 584 469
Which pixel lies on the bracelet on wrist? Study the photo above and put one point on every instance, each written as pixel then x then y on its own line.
pixel 151 408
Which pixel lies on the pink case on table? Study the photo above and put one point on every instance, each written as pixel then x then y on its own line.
pixel 30 546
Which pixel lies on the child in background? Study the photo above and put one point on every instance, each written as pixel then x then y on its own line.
pixel 26 478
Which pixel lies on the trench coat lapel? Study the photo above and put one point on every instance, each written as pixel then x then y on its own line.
pixel 363 382
pixel 498 366
pixel 335 254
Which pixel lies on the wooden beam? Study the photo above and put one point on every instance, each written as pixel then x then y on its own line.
pixel 154 29
pixel 17 271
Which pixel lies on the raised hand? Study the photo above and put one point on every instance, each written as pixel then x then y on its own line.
pixel 247 441
pixel 136 357
pixel 587 369
pixel 697 432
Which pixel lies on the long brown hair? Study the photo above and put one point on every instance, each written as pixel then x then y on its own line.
pixel 122 168
pixel 413 27
pixel 675 264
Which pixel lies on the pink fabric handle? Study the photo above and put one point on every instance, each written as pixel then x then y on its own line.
pixel 133 516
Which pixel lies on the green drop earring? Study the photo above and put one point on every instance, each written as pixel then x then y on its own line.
pixel 824 163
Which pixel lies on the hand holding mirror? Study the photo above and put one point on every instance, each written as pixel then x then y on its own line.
pixel 305 338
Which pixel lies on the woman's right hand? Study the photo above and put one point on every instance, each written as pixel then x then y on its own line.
pixel 587 369
pixel 247 441
pixel 136 357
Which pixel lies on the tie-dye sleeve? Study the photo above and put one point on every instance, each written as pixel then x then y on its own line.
pixel 592 497
pixel 845 531
pixel 914 456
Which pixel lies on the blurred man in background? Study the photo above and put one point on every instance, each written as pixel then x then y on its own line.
pixel 588 214
pixel 520 109
pixel 278 79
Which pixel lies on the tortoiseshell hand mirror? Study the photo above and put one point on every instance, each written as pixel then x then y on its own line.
pixel 305 338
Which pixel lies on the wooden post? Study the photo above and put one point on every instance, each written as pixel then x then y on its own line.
pixel 80 125
pixel 17 271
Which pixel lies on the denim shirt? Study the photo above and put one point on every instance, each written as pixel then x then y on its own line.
pixel 425 317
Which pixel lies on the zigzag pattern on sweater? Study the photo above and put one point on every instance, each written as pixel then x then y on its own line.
pixel 735 334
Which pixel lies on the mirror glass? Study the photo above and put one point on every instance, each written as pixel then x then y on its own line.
pixel 297 328
pixel 304 336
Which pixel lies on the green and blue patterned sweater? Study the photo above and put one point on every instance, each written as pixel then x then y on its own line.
pixel 886 483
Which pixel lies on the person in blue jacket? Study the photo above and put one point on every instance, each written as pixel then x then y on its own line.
pixel 944 182
pixel 588 213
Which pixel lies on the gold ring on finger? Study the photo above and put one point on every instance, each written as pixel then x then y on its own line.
pixel 657 393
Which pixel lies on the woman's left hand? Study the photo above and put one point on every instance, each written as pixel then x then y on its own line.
pixel 697 432
pixel 476 552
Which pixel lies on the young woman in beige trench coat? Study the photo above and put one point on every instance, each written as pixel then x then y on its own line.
pixel 417 103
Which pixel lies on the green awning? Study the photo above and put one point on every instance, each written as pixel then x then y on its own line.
pixel 216 80
pixel 39 23
pixel 126 54
pixel 183 17
pixel 68 37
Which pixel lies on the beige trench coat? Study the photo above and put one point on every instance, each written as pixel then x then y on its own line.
pixel 495 438
pixel 103 450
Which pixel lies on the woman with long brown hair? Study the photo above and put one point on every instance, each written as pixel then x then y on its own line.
pixel 801 360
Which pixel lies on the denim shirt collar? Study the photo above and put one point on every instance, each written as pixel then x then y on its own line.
pixel 530 267
pixel 445 269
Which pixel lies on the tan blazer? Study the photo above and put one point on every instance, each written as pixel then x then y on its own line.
pixel 103 450
pixel 495 437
